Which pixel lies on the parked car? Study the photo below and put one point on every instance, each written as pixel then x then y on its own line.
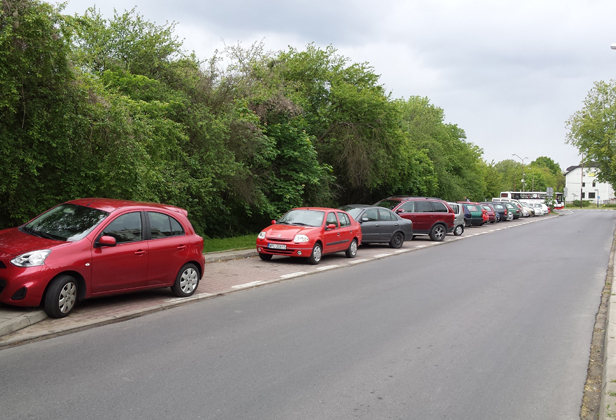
pixel 430 216
pixel 476 211
pixel 380 225
pixel 459 221
pixel 490 211
pixel 310 233
pixel 513 209
pixel 528 209
pixel 538 209
pixel 95 247
pixel 501 209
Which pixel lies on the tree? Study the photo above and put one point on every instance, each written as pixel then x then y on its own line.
pixel 593 130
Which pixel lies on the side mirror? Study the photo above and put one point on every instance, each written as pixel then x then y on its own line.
pixel 273 222
pixel 364 219
pixel 105 241
pixel 400 211
pixel 330 226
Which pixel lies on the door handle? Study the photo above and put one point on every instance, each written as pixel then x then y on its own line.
pixel 140 253
pixel 182 247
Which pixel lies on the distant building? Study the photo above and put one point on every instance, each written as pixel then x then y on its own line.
pixel 587 185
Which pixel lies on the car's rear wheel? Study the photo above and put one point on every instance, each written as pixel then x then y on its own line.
pixel 61 296
pixel 265 257
pixel 351 251
pixel 186 281
pixel 438 232
pixel 459 230
pixel 397 240
pixel 316 255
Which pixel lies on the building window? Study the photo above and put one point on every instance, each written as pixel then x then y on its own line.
pixel 583 184
pixel 594 183
pixel 583 195
pixel 591 195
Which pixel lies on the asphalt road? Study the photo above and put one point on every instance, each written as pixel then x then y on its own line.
pixel 493 327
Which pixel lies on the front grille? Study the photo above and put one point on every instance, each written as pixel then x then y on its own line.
pixel 280 251
pixel 2 265
pixel 2 285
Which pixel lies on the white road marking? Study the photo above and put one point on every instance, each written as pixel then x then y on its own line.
pixel 243 286
pixel 329 267
pixel 291 275
pixel 361 260
pixel 382 255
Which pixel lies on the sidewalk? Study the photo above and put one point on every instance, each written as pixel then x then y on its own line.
pixel 225 272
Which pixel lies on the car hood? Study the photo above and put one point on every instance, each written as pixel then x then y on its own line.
pixel 287 232
pixel 14 242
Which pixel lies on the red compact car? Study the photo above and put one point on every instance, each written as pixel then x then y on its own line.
pixel 96 247
pixel 310 233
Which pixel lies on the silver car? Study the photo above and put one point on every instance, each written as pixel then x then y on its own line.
pixel 458 222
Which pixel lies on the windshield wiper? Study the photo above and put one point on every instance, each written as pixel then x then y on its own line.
pixel 39 233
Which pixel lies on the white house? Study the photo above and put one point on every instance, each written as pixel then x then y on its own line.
pixel 584 183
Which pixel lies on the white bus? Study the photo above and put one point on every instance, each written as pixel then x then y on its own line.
pixel 533 197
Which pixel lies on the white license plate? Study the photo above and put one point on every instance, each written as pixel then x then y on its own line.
pixel 276 246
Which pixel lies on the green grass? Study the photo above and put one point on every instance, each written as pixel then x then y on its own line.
pixel 229 244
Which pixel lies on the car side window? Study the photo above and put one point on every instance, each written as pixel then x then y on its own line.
pixel 371 214
pixel 163 226
pixel 423 207
pixel 439 207
pixel 386 215
pixel 125 228
pixel 408 207
pixel 344 220
pixel 331 219
pixel 176 227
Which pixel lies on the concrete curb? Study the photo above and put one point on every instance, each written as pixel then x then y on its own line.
pixel 21 321
pixel 608 388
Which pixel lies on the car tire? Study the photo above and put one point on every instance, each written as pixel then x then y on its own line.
pixel 61 296
pixel 438 232
pixel 351 251
pixel 467 223
pixel 397 240
pixel 265 257
pixel 186 281
pixel 458 230
pixel 316 254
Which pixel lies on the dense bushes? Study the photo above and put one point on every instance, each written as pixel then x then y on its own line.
pixel 91 106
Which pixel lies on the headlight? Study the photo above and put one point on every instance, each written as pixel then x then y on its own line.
pixel 31 259
pixel 300 238
pixel 261 235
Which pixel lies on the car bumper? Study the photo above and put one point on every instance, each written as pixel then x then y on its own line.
pixel 23 286
pixel 291 249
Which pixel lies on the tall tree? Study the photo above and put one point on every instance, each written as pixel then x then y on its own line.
pixel 593 130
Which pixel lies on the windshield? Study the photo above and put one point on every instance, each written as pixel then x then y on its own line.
pixel 302 218
pixel 388 204
pixel 67 222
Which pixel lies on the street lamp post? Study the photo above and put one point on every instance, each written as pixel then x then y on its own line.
pixel 513 154
pixel 597 194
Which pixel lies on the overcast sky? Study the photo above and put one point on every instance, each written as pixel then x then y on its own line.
pixel 510 73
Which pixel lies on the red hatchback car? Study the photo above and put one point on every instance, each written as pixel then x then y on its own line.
pixel 95 247
pixel 310 233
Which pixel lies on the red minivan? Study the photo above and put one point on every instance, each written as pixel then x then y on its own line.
pixel 95 247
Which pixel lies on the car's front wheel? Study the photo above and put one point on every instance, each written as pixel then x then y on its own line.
pixel 438 232
pixel 61 296
pixel 186 281
pixel 317 254
pixel 265 257
pixel 351 251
